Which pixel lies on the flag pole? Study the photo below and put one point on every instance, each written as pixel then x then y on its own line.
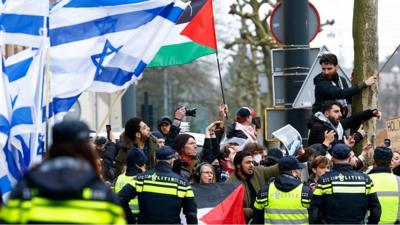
pixel 114 101
pixel 218 64
pixel 48 80
pixel 220 80
pixel 390 57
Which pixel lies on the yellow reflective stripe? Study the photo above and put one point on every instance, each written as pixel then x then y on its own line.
pixel 281 221
pixel 287 211
pixel 189 194
pixel 122 180
pixel 160 190
pixel 160 183
pixel 324 185
pixel 319 191
pixel 260 204
pixel 87 193
pixel 354 190
pixel 10 215
pixel 69 215
pixel 100 205
pixel 69 211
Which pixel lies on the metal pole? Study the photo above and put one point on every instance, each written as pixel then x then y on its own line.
pixel 128 104
pixel 165 90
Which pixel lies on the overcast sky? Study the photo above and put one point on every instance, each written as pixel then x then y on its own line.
pixel 338 37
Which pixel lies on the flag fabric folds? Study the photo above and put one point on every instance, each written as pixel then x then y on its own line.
pixel 5 120
pixel 24 147
pixel 22 21
pixel 193 36
pixel 102 45
pixel 219 203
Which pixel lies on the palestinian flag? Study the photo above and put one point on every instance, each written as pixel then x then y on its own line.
pixel 192 37
pixel 219 203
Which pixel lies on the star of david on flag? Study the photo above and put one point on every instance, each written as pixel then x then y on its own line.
pixel 98 59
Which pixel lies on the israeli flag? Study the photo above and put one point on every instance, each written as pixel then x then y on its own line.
pixel 23 21
pixel 5 120
pixel 104 45
pixel 25 72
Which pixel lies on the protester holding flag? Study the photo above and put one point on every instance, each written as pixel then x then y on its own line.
pixel 65 188
pixel 252 177
pixel 242 128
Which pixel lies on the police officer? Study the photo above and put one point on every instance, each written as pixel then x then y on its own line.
pixel 387 185
pixel 285 199
pixel 66 188
pixel 161 193
pixel 135 164
pixel 344 195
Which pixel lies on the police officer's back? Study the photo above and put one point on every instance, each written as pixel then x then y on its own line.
pixel 135 164
pixel 65 188
pixel 387 185
pixel 344 195
pixel 284 200
pixel 162 194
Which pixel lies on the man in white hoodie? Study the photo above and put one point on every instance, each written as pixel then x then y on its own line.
pixel 329 119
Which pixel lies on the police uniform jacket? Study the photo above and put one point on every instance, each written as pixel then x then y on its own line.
pixel 162 194
pixel 62 190
pixel 344 196
pixel 284 184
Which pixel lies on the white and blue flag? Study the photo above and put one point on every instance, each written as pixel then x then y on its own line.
pixel 5 120
pixel 22 21
pixel 104 45
pixel 24 148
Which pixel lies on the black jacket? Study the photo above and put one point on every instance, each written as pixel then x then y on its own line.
pixel 318 127
pixel 330 90
pixel 344 196
pixel 56 182
pixel 284 183
pixel 108 156
pixel 232 132
pixel 156 206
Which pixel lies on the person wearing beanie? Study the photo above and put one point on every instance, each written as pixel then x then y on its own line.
pixel 243 127
pixel 135 164
pixel 136 135
pixel 62 188
pixel 387 185
pixel 160 138
pixel 185 145
pixel 271 208
pixel 251 177
pixel 162 194
pixel 164 125
pixel 344 195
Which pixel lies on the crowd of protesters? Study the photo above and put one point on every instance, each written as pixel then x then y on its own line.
pixel 151 172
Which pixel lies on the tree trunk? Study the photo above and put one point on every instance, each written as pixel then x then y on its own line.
pixel 365 37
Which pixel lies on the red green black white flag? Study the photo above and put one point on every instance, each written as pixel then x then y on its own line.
pixel 192 37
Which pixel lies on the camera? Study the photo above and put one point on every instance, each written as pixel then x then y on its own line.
pixel 190 112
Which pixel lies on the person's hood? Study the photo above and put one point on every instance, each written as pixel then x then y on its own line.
pixel 63 176
pixel 312 121
pixel 286 182
pixel 318 78
pixel 125 142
